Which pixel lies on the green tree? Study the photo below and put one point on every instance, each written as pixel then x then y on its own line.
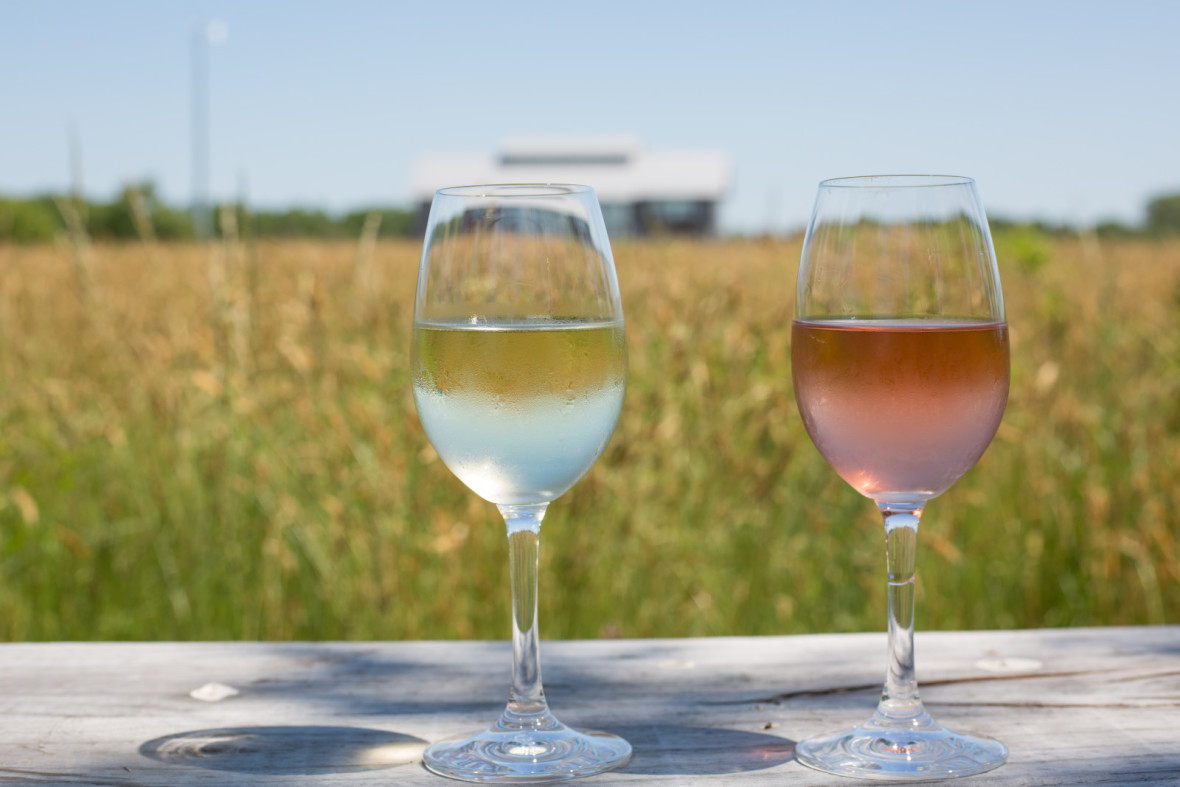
pixel 137 212
pixel 395 223
pixel 1163 215
pixel 294 223
pixel 1113 230
pixel 29 220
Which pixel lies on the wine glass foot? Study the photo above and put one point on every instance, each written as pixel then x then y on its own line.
pixel 530 756
pixel 916 750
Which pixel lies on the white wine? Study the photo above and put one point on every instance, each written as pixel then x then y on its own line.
pixel 519 412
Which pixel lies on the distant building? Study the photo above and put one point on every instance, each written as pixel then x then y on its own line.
pixel 642 192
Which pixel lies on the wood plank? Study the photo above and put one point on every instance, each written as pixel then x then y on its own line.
pixel 1075 706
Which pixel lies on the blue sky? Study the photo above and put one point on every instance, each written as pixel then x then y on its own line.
pixel 1065 111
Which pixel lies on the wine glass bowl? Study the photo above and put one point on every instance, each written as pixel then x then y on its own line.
pixel 899 357
pixel 519 368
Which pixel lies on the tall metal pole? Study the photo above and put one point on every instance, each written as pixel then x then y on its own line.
pixel 199 60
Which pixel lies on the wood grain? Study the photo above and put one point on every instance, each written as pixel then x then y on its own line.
pixel 1075 706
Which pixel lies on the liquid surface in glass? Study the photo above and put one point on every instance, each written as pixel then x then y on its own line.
pixel 900 408
pixel 519 412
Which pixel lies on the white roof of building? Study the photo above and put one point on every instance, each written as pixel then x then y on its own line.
pixel 618 168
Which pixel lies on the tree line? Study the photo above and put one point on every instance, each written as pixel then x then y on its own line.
pixel 1162 219
pixel 137 212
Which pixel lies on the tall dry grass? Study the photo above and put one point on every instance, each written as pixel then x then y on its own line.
pixel 220 442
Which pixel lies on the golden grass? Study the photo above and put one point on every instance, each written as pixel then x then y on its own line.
pixel 220 442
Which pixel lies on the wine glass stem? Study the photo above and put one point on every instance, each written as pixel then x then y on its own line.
pixel 900 698
pixel 527 700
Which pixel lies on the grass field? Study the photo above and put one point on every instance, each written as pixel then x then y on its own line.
pixel 220 443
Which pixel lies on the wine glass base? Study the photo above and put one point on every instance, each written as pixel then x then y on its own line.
pixel 554 753
pixel 921 751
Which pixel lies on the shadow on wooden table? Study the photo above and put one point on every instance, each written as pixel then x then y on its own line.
pixel 287 749
pixel 673 750
pixel 660 750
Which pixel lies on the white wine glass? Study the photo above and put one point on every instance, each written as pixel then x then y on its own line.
pixel 899 355
pixel 519 368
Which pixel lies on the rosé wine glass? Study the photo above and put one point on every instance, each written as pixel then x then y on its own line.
pixel 519 366
pixel 899 355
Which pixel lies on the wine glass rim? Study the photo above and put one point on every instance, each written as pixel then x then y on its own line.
pixel 896 181
pixel 510 190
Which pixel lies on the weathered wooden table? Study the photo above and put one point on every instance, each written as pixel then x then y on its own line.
pixel 1075 706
